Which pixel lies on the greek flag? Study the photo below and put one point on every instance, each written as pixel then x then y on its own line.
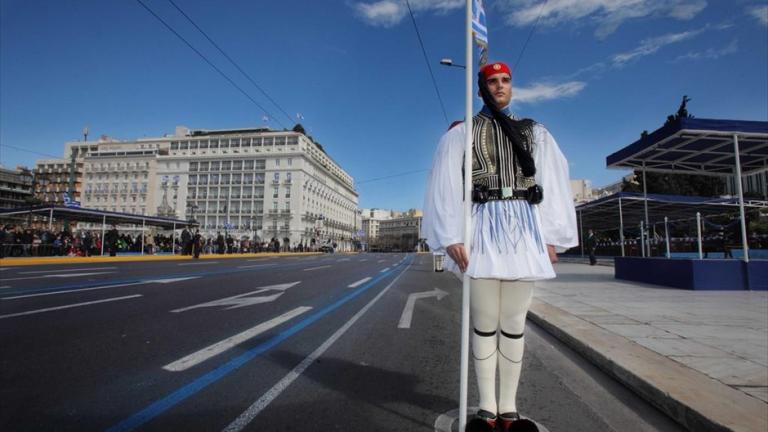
pixel 480 30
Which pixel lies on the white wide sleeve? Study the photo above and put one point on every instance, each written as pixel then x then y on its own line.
pixel 443 223
pixel 557 212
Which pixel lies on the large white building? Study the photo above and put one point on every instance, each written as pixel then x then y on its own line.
pixel 245 182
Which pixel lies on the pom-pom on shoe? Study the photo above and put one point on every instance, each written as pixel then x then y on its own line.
pixel 483 421
pixel 511 422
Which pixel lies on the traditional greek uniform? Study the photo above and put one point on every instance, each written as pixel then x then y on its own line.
pixel 509 235
pixel 508 246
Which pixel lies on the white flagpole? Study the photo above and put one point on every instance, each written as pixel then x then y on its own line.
pixel 467 221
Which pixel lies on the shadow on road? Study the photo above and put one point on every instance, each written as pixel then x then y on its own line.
pixel 397 394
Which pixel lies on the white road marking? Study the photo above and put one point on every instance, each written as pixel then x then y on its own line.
pixel 344 259
pixel 6 268
pixel 68 306
pixel 364 259
pixel 68 270
pixel 99 287
pixel 316 268
pixel 56 276
pixel 385 270
pixel 407 316
pixel 258 259
pixel 381 260
pixel 358 283
pixel 75 274
pixel 256 265
pixel 242 300
pixel 5 286
pixel 199 263
pixel 219 347
pixel 70 291
pixel 170 280
pixel 249 414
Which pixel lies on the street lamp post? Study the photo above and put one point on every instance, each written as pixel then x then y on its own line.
pixel 449 62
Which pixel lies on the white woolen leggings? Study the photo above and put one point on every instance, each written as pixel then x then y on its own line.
pixel 498 310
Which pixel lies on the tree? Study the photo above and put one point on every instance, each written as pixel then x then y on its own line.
pixel 299 128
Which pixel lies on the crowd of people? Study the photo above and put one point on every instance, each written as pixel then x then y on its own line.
pixel 18 241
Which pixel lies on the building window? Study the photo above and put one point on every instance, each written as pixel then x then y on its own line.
pixel 290 161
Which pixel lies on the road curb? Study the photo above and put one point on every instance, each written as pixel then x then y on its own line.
pixel 12 262
pixel 694 400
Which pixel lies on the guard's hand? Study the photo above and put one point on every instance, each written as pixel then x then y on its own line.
pixel 552 254
pixel 458 254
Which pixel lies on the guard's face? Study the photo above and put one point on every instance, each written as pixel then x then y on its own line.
pixel 500 86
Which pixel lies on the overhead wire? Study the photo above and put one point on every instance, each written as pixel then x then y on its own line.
pixel 248 77
pixel 234 84
pixel 525 45
pixel 426 60
pixel 392 176
pixel 30 151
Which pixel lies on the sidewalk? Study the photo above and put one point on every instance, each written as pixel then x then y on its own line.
pixel 701 357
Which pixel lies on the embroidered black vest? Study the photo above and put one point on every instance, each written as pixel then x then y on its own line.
pixel 494 164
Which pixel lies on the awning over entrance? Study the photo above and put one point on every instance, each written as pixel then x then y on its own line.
pixel 79 214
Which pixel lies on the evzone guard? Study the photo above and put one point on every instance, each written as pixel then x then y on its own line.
pixel 522 214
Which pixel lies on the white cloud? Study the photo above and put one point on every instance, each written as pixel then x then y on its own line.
pixel 607 15
pixel 546 91
pixel 389 13
pixel 760 12
pixel 711 53
pixel 651 45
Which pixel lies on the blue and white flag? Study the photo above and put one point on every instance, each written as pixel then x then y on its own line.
pixel 265 119
pixel 299 116
pixel 480 30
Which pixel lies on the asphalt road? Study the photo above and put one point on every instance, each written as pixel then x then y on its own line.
pixel 318 343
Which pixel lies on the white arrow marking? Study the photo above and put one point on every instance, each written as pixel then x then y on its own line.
pixel 385 270
pixel 219 347
pixel 32 312
pixel 242 300
pixel 407 316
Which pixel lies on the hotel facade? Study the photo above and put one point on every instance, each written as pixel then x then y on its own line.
pixel 257 183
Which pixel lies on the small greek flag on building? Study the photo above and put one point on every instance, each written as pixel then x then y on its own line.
pixel 480 30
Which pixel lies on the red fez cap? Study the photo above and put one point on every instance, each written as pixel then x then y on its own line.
pixel 492 69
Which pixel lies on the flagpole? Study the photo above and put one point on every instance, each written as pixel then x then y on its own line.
pixel 467 221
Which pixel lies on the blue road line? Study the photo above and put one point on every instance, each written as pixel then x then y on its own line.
pixel 65 288
pixel 160 406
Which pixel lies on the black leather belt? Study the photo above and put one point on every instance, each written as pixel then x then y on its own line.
pixel 481 194
pixel 495 195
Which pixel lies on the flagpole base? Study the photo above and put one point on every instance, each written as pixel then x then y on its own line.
pixel 449 421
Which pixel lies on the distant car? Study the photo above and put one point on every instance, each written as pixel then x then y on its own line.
pixel 326 249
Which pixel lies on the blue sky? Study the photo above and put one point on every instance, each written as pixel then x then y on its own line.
pixel 596 73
